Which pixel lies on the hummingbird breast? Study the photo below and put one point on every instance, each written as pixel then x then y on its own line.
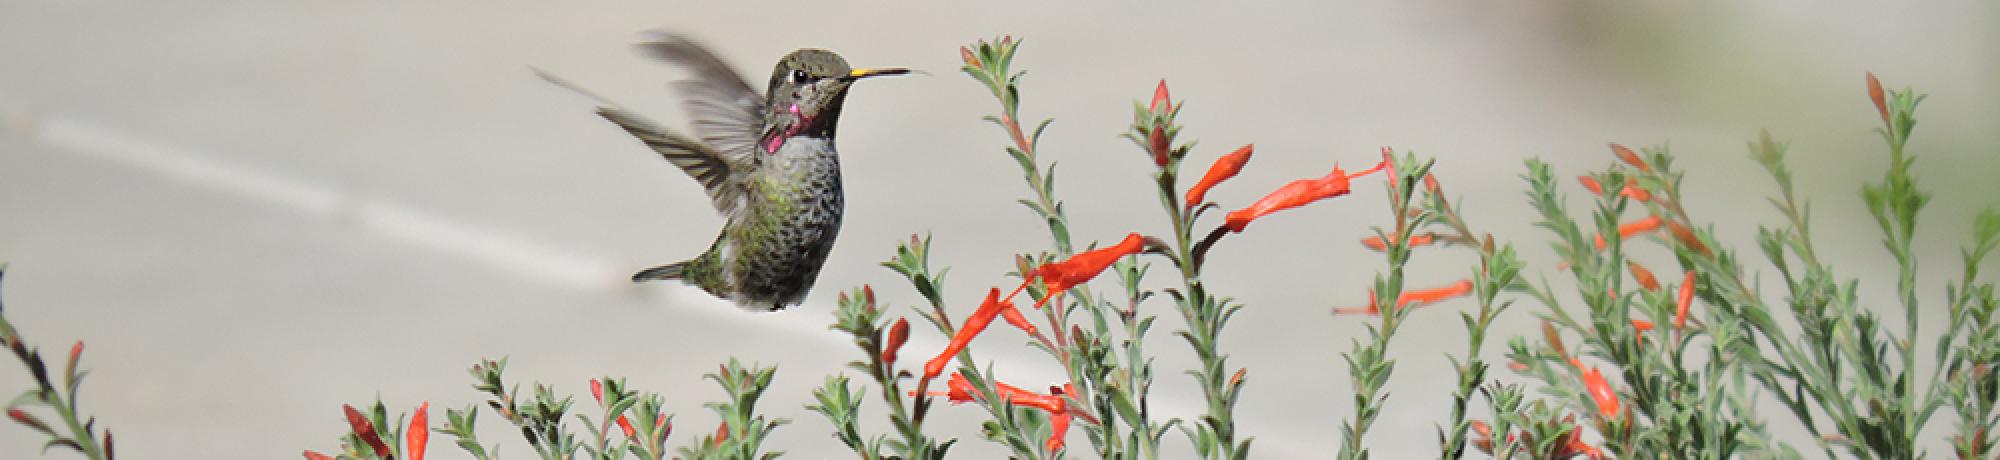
pixel 781 240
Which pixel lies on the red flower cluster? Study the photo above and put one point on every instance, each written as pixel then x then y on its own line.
pixel 1632 189
pixel 1571 446
pixel 597 393
pixel 960 390
pixel 417 438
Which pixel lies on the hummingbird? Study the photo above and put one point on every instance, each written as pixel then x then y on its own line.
pixel 767 162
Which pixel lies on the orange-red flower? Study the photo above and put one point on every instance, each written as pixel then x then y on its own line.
pixel 1629 157
pixel 418 437
pixel 1590 183
pixel 898 333
pixel 1080 268
pixel 1415 298
pixel 1376 243
pixel 1160 98
pixel 1223 169
pixel 597 393
pixel 1573 445
pixel 1058 429
pixel 1297 193
pixel 988 309
pixel 1600 390
pixel 1634 191
pixel 960 390
pixel 1686 237
pixel 1650 223
pixel 1682 301
pixel 1645 277
pixel 1876 95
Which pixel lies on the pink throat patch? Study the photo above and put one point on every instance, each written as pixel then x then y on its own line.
pixel 776 139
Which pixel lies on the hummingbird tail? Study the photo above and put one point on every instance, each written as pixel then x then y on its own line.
pixel 673 271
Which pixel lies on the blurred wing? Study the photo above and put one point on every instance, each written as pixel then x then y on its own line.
pixel 717 173
pixel 727 113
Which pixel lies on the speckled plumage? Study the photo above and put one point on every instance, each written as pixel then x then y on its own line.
pixel 768 164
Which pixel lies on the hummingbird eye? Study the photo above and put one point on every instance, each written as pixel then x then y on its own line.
pixel 800 77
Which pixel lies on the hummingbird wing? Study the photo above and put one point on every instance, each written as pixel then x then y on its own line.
pixel 727 113
pixel 723 178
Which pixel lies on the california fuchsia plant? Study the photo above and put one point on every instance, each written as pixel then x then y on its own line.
pixel 1655 341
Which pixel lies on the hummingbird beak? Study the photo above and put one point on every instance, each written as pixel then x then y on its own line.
pixel 866 72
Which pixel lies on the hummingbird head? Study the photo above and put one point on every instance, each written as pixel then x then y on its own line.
pixel 806 92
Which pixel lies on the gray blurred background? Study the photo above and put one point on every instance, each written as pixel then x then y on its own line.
pixel 255 212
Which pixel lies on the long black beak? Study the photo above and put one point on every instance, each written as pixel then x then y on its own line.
pixel 866 72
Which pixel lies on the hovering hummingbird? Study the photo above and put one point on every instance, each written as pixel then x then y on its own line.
pixel 768 163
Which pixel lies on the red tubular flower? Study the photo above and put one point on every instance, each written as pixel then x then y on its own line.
pixel 365 430
pixel 419 434
pixel 1297 193
pixel 1080 268
pixel 1415 298
pixel 1223 169
pixel 1462 287
pixel 1058 429
pixel 1650 223
pixel 1629 157
pixel 1590 183
pixel 1573 445
pixel 898 334
pixel 1682 301
pixel 972 327
pixel 1013 316
pixel 1876 95
pixel 1376 243
pixel 1160 98
pixel 1634 191
pixel 597 393
pixel 310 455
pixel 626 426
pixel 960 390
pixel 1600 390
pixel 721 432
pixel 1641 326
pixel 29 420
pixel 1645 277
pixel 1686 237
